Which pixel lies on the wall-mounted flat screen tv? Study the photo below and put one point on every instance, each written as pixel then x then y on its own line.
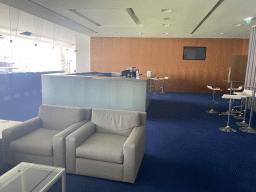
pixel 194 53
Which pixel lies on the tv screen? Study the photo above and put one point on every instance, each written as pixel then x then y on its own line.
pixel 194 53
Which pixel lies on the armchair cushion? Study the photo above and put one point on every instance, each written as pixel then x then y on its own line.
pixel 115 121
pixel 102 147
pixel 60 117
pixel 38 142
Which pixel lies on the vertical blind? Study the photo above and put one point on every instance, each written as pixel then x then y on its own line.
pixel 250 78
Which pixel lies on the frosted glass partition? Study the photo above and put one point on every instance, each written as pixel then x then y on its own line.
pixel 96 92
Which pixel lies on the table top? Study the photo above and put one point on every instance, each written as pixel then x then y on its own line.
pixel 4 124
pixel 30 177
pixel 96 77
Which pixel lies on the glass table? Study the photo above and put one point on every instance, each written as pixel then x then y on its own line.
pixel 32 177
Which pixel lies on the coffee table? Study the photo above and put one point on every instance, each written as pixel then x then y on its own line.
pixel 32 177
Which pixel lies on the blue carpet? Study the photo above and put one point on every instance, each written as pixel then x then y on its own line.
pixel 185 150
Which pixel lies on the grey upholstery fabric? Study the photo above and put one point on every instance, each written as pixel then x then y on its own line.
pixel 34 141
pixel 73 141
pixel 60 117
pixel 17 158
pixel 115 121
pixel 96 149
pixel 102 147
pixel 59 144
pixel 38 142
pixel 11 134
pixel 100 169
pixel 143 118
pixel 134 149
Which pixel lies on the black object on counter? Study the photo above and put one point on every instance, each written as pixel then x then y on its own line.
pixel 128 73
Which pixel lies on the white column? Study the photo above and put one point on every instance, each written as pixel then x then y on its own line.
pixel 83 54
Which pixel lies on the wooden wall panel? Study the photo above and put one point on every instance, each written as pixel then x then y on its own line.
pixel 245 47
pixel 164 56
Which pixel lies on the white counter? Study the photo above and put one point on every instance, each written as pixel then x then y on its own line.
pixel 96 91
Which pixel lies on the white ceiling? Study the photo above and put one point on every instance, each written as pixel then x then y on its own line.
pixel 109 18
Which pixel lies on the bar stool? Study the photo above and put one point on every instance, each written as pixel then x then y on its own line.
pixel 231 89
pixel 213 101
pixel 230 97
pixel 245 94
pixel 248 128
pixel 163 84
pixel 154 85
pixel 233 106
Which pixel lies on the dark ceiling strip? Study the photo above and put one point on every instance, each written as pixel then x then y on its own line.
pixel 215 7
pixel 61 15
pixel 86 18
pixel 133 15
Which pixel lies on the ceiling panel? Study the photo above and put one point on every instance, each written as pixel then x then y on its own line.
pixel 114 21
pixel 109 17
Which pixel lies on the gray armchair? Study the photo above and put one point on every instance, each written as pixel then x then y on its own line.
pixel 110 146
pixel 42 139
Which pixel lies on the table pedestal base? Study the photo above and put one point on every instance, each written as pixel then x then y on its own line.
pixel 232 112
pixel 227 129
pixel 212 111
pixel 240 116
pixel 243 123
pixel 248 129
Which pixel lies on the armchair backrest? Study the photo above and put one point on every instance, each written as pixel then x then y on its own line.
pixel 115 121
pixel 61 117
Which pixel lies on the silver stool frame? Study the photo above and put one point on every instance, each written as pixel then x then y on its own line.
pixel 213 101
pixel 228 128
pixel 249 129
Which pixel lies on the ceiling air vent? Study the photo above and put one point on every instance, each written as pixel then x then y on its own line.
pixel 133 16
pixel 213 9
pixel 26 33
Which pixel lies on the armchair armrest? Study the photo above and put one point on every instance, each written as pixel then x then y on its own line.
pixel 59 144
pixel 73 141
pixel 17 131
pixel 133 150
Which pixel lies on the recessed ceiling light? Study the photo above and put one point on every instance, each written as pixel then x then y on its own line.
pixel 166 25
pixel 166 10
pixel 220 33
pixel 166 18
pixel 165 33
pixel 236 25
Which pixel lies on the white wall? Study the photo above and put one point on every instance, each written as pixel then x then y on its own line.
pixel 83 56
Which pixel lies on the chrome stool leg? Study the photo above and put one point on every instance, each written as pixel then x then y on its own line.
pixel 163 84
pixel 243 123
pixel 240 116
pixel 162 87
pixel 228 128
pixel 213 101
pixel 249 129
pixel 231 89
